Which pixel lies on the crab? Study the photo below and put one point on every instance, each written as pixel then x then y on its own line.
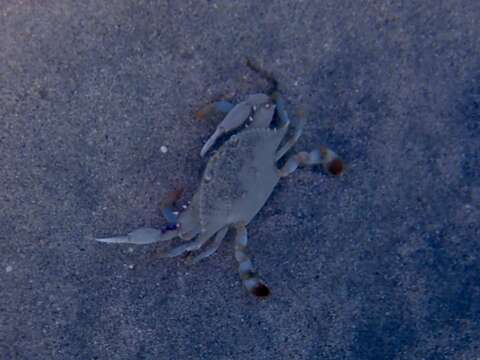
pixel 237 181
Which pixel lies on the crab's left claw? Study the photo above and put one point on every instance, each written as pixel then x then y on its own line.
pixel 234 119
pixel 141 236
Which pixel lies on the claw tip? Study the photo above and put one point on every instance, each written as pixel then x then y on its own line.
pixel 335 167
pixel 261 291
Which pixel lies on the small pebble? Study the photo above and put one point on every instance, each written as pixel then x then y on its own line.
pixel 163 149
pixel 9 269
pixel 131 266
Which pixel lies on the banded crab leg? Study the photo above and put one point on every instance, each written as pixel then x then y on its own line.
pixel 324 156
pixel 249 276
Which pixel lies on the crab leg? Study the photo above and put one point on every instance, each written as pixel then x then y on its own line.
pixel 210 250
pixel 234 119
pixel 142 236
pixel 328 158
pixel 285 121
pixel 263 73
pixel 249 276
pixel 282 113
pixel 196 244
pixel 290 142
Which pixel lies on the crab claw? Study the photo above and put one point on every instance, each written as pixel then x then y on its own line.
pixel 234 119
pixel 211 140
pixel 140 237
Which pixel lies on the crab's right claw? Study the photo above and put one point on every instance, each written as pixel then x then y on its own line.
pixel 140 237
pixel 234 119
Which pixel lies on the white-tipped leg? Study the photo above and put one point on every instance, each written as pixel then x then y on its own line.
pixel 141 236
pixel 324 156
pixel 249 276
pixel 212 248
pixel 234 119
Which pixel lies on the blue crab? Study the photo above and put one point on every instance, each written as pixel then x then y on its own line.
pixel 237 181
